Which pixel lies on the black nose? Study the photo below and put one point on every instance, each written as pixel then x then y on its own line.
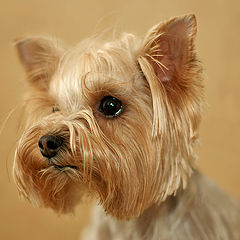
pixel 49 145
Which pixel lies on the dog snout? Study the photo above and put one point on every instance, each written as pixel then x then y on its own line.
pixel 49 145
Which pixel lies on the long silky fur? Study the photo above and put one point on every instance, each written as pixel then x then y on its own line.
pixel 141 165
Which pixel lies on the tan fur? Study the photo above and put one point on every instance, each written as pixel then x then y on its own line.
pixel 139 164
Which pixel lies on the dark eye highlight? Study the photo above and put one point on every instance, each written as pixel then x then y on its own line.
pixel 110 106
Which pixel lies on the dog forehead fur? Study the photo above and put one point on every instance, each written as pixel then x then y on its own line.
pixel 141 164
pixel 109 67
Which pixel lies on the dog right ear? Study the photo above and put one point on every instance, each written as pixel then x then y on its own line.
pixel 40 57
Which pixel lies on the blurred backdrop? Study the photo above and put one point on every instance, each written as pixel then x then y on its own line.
pixel 218 45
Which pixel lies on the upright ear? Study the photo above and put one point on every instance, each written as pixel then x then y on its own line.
pixel 168 46
pixel 169 64
pixel 40 57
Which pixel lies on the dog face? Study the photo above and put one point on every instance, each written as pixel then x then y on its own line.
pixel 117 120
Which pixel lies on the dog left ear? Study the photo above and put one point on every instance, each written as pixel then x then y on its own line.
pixel 39 56
pixel 168 62
pixel 168 46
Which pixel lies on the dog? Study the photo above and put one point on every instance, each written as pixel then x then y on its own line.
pixel 118 120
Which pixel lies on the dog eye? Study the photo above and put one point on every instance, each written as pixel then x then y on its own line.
pixel 55 109
pixel 110 106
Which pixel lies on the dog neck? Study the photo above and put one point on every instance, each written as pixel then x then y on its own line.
pixel 193 213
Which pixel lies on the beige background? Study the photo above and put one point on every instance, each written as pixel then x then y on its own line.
pixel 218 44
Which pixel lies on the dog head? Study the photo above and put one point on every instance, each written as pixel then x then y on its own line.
pixel 116 119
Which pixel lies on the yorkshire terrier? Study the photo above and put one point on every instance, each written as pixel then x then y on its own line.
pixel 119 120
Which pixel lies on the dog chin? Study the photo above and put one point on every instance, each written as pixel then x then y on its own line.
pixel 48 185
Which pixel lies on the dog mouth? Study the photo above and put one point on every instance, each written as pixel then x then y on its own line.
pixel 65 167
pixel 60 167
pixel 59 164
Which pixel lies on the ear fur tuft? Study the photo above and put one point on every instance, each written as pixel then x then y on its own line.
pixel 168 46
